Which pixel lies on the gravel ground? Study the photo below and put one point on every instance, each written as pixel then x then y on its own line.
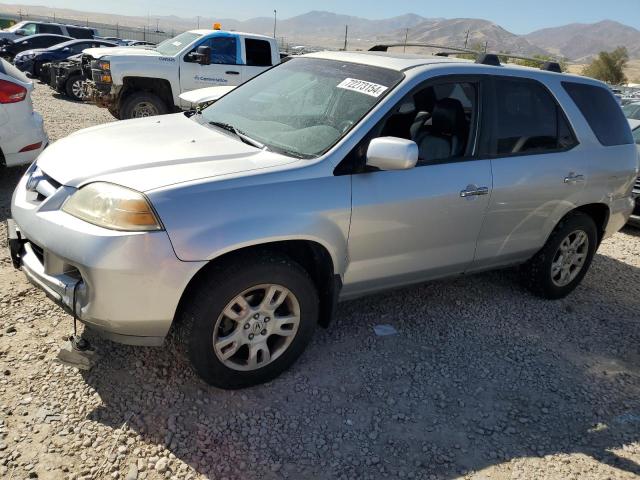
pixel 482 381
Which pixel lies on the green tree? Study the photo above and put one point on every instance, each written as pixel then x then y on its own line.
pixel 609 66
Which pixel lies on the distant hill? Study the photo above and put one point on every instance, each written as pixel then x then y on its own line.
pixel 579 41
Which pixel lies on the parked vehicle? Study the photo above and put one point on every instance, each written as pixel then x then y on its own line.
pixel 66 77
pixel 28 28
pixel 31 61
pixel 632 110
pixel 141 82
pixel 331 176
pixel 22 135
pixel 138 43
pixel 10 50
pixel 635 215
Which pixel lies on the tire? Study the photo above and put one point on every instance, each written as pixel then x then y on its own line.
pixel 142 104
pixel 537 273
pixel 202 321
pixel 70 87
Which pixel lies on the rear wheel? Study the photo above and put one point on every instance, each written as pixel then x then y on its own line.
pixel 249 321
pixel 557 269
pixel 142 104
pixel 74 88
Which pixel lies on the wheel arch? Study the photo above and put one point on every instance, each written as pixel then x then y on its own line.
pixel 158 86
pixel 311 255
pixel 600 213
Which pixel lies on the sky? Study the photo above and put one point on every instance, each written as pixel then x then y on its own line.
pixel 518 16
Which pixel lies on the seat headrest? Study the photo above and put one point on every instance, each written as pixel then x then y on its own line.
pixel 448 117
pixel 425 100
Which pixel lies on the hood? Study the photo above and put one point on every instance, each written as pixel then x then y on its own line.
pixel 203 95
pixel 121 51
pixel 153 152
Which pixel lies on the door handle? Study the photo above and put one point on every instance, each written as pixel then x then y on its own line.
pixel 232 72
pixel 473 191
pixel 573 178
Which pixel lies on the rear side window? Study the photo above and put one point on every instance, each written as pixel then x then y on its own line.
pixel 76 32
pixel 46 28
pixel 602 112
pixel 258 52
pixel 527 119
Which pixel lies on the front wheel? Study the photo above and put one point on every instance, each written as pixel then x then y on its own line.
pixel 249 321
pixel 74 88
pixel 142 104
pixel 557 269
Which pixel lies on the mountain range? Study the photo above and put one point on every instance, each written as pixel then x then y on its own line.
pixel 576 42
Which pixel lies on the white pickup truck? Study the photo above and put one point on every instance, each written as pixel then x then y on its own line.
pixel 140 82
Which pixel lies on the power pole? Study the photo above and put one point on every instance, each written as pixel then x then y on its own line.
pixel 346 36
pixel 406 35
pixel 486 44
pixel 275 21
pixel 198 22
pixel 466 39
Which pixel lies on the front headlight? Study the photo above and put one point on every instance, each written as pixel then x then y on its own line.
pixel 114 207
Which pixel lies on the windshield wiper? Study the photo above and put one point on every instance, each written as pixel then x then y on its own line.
pixel 241 135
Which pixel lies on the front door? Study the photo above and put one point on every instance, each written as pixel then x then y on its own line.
pixel 413 225
pixel 225 68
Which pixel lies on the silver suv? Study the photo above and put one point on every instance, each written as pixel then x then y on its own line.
pixel 331 176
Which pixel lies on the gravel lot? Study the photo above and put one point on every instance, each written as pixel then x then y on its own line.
pixel 482 381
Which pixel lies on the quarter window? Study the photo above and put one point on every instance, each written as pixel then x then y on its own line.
pixel 258 52
pixel 600 109
pixel 527 119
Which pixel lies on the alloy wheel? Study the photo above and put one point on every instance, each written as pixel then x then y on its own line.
pixel 570 258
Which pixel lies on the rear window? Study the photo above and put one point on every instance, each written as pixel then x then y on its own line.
pixel 258 52
pixel 76 32
pixel 602 112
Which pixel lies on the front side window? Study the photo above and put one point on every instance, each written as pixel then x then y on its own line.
pixel 303 107
pixel 224 50
pixel 527 119
pixel 29 28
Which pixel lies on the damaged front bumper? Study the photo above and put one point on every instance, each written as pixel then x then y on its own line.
pixel 124 285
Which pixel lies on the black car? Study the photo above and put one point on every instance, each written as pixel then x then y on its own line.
pixel 66 77
pixel 31 61
pixel 44 40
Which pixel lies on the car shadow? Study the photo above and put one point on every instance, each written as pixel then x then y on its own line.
pixel 480 373
pixel 9 178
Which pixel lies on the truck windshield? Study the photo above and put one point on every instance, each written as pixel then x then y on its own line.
pixel 304 106
pixel 174 45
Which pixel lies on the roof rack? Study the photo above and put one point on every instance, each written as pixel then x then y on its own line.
pixel 483 58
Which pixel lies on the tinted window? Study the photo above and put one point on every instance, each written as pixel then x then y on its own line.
pixel 46 28
pixel 602 112
pixel 527 119
pixel 258 52
pixel 76 32
pixel 632 111
pixel 223 50
pixel 636 135
pixel 79 47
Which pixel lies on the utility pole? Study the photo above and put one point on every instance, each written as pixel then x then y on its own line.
pixel 198 22
pixel 275 21
pixel 346 36
pixel 486 44
pixel 466 39
pixel 406 35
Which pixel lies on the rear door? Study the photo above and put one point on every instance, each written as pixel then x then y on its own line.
pixel 539 172
pixel 417 224
pixel 257 57
pixel 225 68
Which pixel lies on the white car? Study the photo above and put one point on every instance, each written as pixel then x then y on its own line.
pixel 22 135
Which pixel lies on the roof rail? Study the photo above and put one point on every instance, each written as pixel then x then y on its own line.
pixel 484 58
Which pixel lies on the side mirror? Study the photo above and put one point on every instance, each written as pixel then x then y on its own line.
pixel 203 55
pixel 392 153
pixel 21 31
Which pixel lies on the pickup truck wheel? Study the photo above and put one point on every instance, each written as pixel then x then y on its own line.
pixel 74 88
pixel 142 104
pixel 249 321
pixel 557 269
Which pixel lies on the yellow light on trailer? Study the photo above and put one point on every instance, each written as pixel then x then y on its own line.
pixel 217 26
